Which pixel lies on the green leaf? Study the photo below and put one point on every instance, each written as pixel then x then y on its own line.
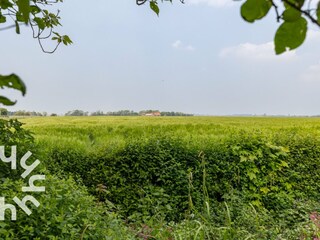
pixel 35 9
pixel 154 7
pixel 291 15
pixel 40 23
pixel 251 175
pixel 265 190
pixel 66 40
pixel 5 4
pixel 2 19
pixel 290 35
pixel 24 8
pixel 288 186
pixel 6 101
pixel 297 3
pixel 253 10
pixel 318 12
pixel 284 164
pixel 19 17
pixel 243 159
pixel 14 82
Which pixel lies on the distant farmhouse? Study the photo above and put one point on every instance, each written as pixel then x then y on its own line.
pixel 155 114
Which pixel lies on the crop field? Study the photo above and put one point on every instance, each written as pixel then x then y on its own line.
pixel 93 132
pixel 180 177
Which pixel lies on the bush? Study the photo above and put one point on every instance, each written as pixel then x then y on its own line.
pixel 66 209
pixel 66 212
pixel 12 134
pixel 143 178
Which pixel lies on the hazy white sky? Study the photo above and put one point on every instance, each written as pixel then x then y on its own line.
pixel 200 58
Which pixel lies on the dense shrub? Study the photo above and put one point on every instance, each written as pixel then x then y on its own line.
pixel 150 176
pixel 66 212
pixel 66 209
pixel 12 134
pixel 144 178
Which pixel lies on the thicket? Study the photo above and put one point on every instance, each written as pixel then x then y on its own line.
pixel 274 178
pixel 66 210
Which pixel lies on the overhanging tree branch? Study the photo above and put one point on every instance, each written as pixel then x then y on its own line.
pixel 306 13
pixel 276 10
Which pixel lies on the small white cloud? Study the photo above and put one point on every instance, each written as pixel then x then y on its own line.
pixel 212 3
pixel 250 51
pixel 176 44
pixel 181 46
pixel 312 74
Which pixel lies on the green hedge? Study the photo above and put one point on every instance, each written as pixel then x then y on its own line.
pixel 150 176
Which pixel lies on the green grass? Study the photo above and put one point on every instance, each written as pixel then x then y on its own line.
pixel 88 132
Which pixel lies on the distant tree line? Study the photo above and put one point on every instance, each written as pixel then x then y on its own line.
pixel 5 112
pixel 77 112
pixel 124 113
pixel 140 113
pixel 116 113
pixel 175 114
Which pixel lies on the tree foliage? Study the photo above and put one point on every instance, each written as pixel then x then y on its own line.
pixel 293 18
pixel 14 82
pixel 36 15
pixel 76 113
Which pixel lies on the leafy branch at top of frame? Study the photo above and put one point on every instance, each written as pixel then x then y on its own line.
pixel 292 14
pixel 154 4
pixel 35 13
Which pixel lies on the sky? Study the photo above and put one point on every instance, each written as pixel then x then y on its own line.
pixel 200 57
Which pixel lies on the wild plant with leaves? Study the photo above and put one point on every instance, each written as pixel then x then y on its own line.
pixel 36 15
